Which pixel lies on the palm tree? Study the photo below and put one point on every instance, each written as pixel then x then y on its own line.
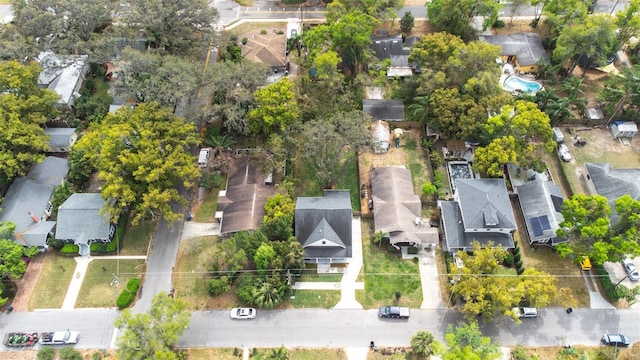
pixel 279 353
pixel 265 294
pixel 219 142
pixel 572 86
pixel 423 344
pixel 419 110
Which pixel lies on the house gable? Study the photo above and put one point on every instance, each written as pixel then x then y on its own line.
pixel 613 183
pixel 526 47
pixel 80 220
pixel 63 74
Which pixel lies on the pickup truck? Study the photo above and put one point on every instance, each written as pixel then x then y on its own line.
pixel 59 337
pixel 394 312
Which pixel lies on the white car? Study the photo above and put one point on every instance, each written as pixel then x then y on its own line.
pixel 525 312
pixel 631 270
pixel 243 313
pixel 563 153
pixel 59 337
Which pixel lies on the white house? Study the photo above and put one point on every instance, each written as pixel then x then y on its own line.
pixel 624 129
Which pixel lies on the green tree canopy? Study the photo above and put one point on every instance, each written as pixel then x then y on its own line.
pixel 628 22
pixel 467 343
pixel 24 108
pixel 154 334
pixel 423 344
pixel 351 37
pixel 490 160
pixel 455 16
pixel 586 224
pixel 325 142
pixel 381 10
pixel 490 289
pixel 277 223
pixel 621 94
pixel 275 108
pixel 142 154
pixel 177 27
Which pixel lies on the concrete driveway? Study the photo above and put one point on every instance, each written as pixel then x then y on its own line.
pixel 617 273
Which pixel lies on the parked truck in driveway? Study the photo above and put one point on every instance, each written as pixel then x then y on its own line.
pixel 59 337
pixel 395 312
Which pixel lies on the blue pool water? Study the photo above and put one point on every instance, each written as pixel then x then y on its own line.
pixel 516 83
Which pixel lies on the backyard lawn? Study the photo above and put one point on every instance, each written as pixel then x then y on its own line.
pixel 309 185
pixel 53 282
pixel 206 210
pixel 385 274
pixel 99 287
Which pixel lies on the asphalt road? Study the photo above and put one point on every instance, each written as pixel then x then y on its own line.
pixel 338 328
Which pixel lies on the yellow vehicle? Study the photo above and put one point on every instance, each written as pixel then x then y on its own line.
pixel 585 263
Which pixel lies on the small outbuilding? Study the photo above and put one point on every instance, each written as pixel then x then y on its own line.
pixel 381 136
pixel 624 129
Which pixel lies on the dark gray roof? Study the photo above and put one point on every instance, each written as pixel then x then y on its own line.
pixel 457 239
pixel 395 206
pixel 381 109
pixel 540 204
pixel 59 137
pixel 485 203
pixel 80 215
pixel 613 183
pixel 526 46
pixel 385 46
pixel 242 204
pixel 323 225
pixel 27 199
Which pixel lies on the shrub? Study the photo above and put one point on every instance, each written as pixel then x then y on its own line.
pixel 96 356
pixel 392 250
pixel 236 352
pixel 128 294
pixel 56 244
pixel 520 270
pixel 263 32
pixel 244 41
pixel 519 263
pixel 69 353
pixel 47 353
pixel 508 260
pixel 98 247
pixel 412 250
pixel 70 249
pixel 607 285
pixel 415 260
pixel 499 24
pixel 516 251
pixel 428 189
pixel 517 257
pixel 218 286
pixel 520 353
pixel 111 246
pixel 437 159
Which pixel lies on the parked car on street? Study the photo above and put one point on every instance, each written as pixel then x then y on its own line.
pixel 563 152
pixel 243 313
pixel 395 312
pixel 65 337
pixel 630 268
pixel 525 312
pixel 615 340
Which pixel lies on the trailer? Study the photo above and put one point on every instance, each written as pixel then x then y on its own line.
pixel 20 339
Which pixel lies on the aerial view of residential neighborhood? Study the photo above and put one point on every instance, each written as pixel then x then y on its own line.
pixel 320 179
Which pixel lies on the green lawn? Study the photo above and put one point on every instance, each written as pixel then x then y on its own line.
pixel 189 278
pixel 53 282
pixel 417 164
pixel 324 299
pixel 98 287
pixel 385 274
pixel 309 185
pixel 207 210
pixel 136 238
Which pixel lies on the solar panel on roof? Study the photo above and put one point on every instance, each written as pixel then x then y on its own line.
pixel 544 222
pixel 557 202
pixel 535 225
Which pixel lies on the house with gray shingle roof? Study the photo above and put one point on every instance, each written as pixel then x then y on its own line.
pixel 27 202
pixel 61 139
pixel 481 211
pixel 63 74
pixel 384 109
pixel 611 183
pixel 323 225
pixel 523 50
pixel 540 202
pixel 81 223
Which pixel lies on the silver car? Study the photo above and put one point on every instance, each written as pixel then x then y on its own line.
pixel 630 268
pixel 563 152
pixel 525 312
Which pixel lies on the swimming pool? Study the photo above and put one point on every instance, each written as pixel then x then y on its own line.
pixel 519 84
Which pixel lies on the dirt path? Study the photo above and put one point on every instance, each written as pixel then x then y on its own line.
pixel 28 282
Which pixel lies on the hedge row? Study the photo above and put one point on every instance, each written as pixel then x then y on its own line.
pixel 128 294
pixel 70 249
pixel 607 285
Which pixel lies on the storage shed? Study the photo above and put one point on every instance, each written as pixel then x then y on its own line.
pixel 381 136
pixel 624 129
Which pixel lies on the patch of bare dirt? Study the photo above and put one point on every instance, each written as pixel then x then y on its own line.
pixel 28 282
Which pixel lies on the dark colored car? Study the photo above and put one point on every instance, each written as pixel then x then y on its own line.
pixel 615 340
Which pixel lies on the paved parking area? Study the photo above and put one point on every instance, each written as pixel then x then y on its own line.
pixel 617 273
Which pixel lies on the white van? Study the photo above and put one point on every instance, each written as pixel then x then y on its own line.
pixel 558 136
pixel 203 158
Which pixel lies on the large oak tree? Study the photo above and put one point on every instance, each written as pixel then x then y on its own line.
pixel 24 108
pixel 142 154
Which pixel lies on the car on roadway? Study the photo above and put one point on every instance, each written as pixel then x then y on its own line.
pixel 64 337
pixel 525 312
pixel 243 313
pixel 563 153
pixel 615 340
pixel 630 268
